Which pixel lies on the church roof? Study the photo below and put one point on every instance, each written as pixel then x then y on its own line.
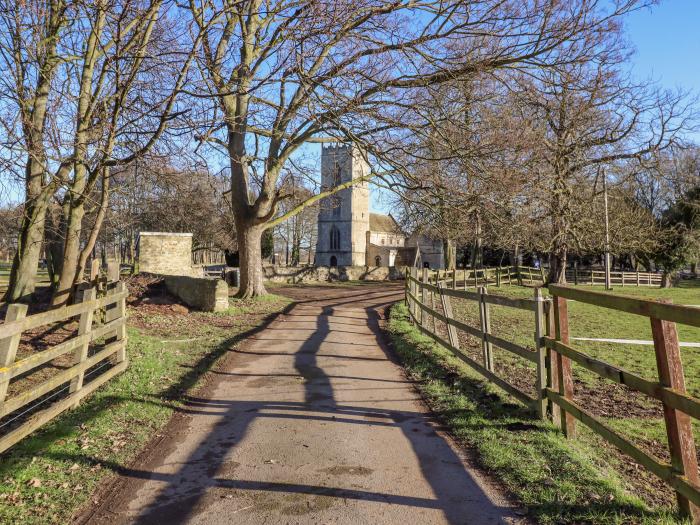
pixel 383 223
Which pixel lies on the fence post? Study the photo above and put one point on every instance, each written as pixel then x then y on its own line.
pixel 406 284
pixel 112 271
pixel 423 291
pixel 80 353
pixel 592 282
pixel 566 382
pixel 432 305
pixel 637 278
pixel 498 277
pixel 575 273
pixel 678 424
pixel 447 309
pixel 9 345
pixel 485 321
pixel 454 279
pixel 94 270
pixel 412 289
pixel 542 273
pixel 552 370
pixel 541 383
pixel 120 312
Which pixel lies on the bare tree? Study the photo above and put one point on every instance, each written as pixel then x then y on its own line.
pixel 277 75
pixel 91 85
pixel 586 116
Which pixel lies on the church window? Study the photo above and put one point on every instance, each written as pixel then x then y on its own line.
pixel 335 238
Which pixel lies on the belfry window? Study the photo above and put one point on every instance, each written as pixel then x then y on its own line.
pixel 335 238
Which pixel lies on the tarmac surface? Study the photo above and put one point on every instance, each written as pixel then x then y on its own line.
pixel 308 421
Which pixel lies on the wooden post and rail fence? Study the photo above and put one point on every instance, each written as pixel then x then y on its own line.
pixel 97 346
pixel 521 275
pixel 554 357
pixel 592 277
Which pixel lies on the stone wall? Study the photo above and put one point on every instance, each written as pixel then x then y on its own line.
pixel 292 274
pixel 208 295
pixel 166 253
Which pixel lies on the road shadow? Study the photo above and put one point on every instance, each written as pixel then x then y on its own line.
pixel 182 493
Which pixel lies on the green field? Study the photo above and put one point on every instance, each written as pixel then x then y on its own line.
pixel 42 276
pixel 590 321
pixel 637 417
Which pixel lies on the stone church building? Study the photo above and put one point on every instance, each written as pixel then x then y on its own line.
pixel 349 235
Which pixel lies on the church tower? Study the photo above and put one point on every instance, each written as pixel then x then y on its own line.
pixel 343 218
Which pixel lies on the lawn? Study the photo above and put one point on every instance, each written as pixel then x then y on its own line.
pixel 632 414
pixel 5 267
pixel 48 476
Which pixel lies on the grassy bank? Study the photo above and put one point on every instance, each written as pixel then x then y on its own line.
pixel 558 481
pixel 636 416
pixel 51 474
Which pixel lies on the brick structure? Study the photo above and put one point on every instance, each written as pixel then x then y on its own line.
pixel 165 253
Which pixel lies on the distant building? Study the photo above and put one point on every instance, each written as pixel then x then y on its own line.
pixel 349 235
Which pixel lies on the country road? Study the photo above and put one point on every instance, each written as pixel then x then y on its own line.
pixel 308 421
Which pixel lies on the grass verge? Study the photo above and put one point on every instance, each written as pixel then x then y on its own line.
pixel 557 480
pixel 48 476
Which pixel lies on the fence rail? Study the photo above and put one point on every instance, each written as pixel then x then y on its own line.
pixel 497 275
pixel 553 357
pixel 419 291
pixel 100 341
pixel 596 277
pixel 474 277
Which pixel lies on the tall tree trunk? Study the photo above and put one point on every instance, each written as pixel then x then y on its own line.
pixel 477 253
pixel 71 253
pixel 38 189
pixel 296 241
pixel 557 266
pixel 667 279
pixel 54 233
pixel 96 227
pixel 249 239
pixel 26 261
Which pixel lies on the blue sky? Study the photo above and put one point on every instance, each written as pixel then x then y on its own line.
pixel 667 43
pixel 667 39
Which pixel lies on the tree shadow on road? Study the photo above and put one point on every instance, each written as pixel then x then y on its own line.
pixel 183 493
